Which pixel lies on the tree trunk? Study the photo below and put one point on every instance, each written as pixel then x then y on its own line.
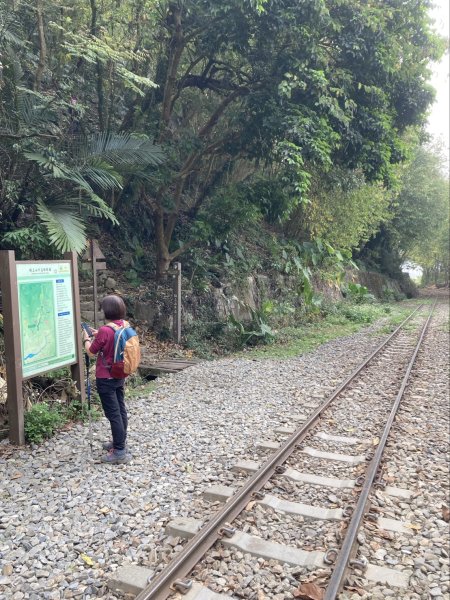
pixel 100 73
pixel 42 46
pixel 163 257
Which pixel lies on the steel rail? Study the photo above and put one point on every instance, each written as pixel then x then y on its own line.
pixel 161 587
pixel 349 546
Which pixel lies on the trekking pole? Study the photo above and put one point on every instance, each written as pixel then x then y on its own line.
pixel 88 391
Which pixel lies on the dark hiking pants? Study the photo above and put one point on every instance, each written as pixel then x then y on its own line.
pixel 111 392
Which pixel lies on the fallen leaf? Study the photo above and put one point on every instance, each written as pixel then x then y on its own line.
pixel 87 559
pixel 309 591
pixel 414 526
pixel 387 535
pixel 250 505
pixel 105 510
pixel 358 590
pixel 375 441
pixel 16 475
pixel 445 513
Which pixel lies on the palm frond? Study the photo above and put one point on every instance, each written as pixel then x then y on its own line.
pixel 65 229
pixel 50 163
pixel 121 150
pixel 97 207
pixel 103 177
pixel 33 110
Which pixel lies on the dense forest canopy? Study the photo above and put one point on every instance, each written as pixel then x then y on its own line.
pixel 183 119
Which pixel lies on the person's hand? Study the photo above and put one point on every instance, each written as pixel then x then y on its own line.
pixel 85 337
pixel 94 332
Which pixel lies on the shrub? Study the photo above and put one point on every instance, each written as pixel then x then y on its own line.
pixel 357 293
pixel 359 313
pixel 78 411
pixel 257 329
pixel 392 295
pixel 41 422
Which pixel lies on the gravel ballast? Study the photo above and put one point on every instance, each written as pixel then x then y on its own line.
pixel 67 522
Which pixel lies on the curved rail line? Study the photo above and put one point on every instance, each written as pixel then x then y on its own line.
pixel 162 585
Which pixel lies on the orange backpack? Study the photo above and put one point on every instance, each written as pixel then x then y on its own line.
pixel 127 353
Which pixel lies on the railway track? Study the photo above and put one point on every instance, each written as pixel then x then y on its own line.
pixel 331 454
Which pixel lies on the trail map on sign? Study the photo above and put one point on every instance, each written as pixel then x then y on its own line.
pixel 46 314
pixel 37 321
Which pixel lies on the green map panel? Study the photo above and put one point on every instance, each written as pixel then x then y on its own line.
pixel 37 322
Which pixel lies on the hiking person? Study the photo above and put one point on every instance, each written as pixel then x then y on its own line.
pixel 110 389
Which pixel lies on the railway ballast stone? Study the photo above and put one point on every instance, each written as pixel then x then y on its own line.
pixel 76 522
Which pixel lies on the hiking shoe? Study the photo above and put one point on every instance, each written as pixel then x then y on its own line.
pixel 109 446
pixel 116 457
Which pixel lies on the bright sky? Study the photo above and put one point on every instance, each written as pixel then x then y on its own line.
pixel 438 122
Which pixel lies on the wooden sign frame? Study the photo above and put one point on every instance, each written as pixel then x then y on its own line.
pixel 11 327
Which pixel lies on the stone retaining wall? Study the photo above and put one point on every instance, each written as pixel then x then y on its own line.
pixel 239 298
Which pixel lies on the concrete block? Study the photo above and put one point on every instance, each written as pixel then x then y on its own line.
pixel 184 527
pixel 130 579
pixel 347 458
pixel 332 482
pixel 284 430
pixel 222 493
pixel 398 492
pixel 248 466
pixel 200 592
pixel 387 576
pixel 272 551
pixel 267 445
pixel 393 525
pixel 257 546
pixel 304 510
pixel 342 439
pixel 218 493
pixel 298 417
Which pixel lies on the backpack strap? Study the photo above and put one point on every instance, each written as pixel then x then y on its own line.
pixel 115 328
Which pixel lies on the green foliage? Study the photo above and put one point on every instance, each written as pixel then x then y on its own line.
pixel 253 105
pixel 392 295
pixel 344 209
pixel 357 293
pixel 336 320
pixel 256 329
pixel 78 411
pixel 418 230
pixel 41 422
pixel 207 338
pixel 29 242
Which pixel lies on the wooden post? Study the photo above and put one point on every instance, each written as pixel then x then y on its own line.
pixel 11 327
pixel 77 368
pixel 94 281
pixel 177 303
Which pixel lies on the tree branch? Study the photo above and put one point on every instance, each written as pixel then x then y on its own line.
pixel 186 246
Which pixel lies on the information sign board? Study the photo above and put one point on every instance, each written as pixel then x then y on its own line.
pixel 46 315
